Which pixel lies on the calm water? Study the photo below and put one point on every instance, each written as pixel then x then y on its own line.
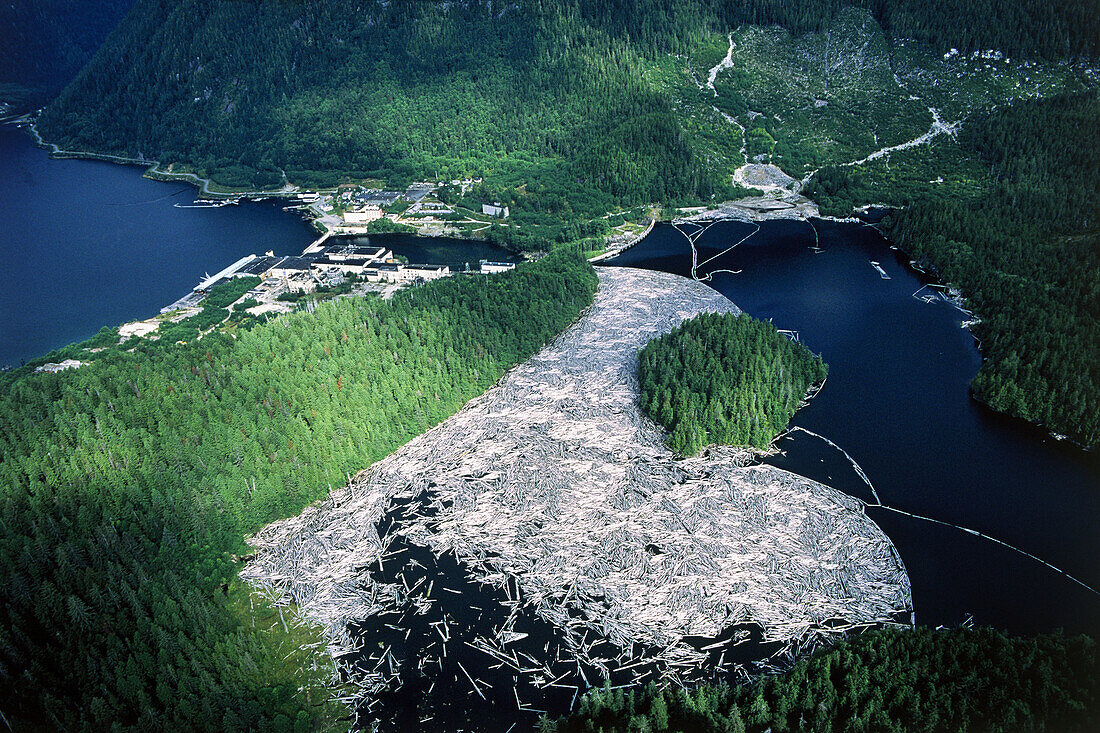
pixel 897 401
pixel 89 244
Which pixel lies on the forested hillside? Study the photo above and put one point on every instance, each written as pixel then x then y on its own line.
pixel 1023 243
pixel 891 680
pixel 526 94
pixel 1040 28
pixel 1027 254
pixel 556 97
pixel 726 379
pixel 129 482
pixel 45 43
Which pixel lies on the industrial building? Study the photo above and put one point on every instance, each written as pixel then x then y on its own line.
pixel 376 197
pixel 364 214
pixel 399 273
pixel 417 191
pixel 495 210
pixel 294 273
pixel 328 263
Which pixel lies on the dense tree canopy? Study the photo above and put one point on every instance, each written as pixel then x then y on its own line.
pixel 554 95
pixel 721 378
pixel 1025 249
pixel 524 93
pixel 891 680
pixel 46 42
pixel 128 483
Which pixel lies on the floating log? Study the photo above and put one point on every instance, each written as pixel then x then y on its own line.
pixel 554 482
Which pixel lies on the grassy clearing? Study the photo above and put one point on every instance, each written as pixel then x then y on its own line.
pixel 836 96
pixel 819 98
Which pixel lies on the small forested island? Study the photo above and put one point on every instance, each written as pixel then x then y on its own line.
pixel 276 516
pixel 977 123
pixel 725 379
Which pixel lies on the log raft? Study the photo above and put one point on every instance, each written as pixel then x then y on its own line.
pixel 555 487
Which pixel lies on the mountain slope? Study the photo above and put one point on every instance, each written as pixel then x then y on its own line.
pixel 46 42
pixel 568 109
pixel 405 90
pixel 531 92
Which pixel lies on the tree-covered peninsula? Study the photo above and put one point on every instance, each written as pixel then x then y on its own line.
pixel 722 378
pixel 128 485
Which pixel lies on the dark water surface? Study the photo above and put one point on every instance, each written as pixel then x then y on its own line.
pixel 89 244
pixel 432 647
pixel 897 401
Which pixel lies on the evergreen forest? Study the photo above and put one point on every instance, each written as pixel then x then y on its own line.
pixel 45 44
pixel 1024 248
pixel 129 484
pixel 723 378
pixel 559 97
pixel 962 680
pixel 573 109
pixel 1027 255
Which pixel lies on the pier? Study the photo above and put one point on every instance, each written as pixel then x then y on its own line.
pixel 227 272
pixel 319 245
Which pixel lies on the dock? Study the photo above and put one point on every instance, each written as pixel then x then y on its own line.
pixel 319 244
pixel 227 272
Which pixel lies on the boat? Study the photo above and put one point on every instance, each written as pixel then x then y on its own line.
pixel 200 204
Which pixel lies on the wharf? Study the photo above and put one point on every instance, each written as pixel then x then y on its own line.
pixel 227 272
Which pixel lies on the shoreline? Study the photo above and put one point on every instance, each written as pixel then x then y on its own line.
pixel 738 212
pixel 316 219
pixel 634 545
pixel 959 302
pixel 615 251
pixel 152 167
pixel 792 207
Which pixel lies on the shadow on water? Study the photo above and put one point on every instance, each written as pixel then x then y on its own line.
pixel 462 655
